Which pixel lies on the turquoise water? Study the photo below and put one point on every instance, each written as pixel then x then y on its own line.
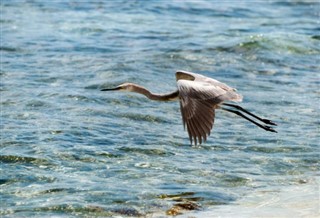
pixel 69 150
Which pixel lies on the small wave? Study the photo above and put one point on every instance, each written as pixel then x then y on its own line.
pixel 21 159
pixel 9 49
pixel 233 180
pixel 37 104
pixel 142 117
pixel 155 152
pixel 268 149
pixel 317 37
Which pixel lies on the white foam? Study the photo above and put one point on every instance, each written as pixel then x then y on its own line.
pixel 301 200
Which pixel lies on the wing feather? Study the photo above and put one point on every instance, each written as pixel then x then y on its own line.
pixel 216 86
pixel 197 103
pixel 199 97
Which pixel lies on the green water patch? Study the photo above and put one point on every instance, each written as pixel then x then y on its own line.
pixel 233 180
pixel 142 117
pixel 275 149
pixel 146 151
pixel 75 210
pixel 177 196
pixel 37 104
pixel 83 158
pixel 9 159
pixel 9 49
pixel 255 43
pixel 22 178
pixel 52 191
pixel 85 211
pixel 317 37
pixel 109 155
pixel 217 198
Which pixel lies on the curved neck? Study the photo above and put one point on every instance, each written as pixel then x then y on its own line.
pixel 157 97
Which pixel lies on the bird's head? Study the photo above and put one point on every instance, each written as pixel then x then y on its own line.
pixel 122 87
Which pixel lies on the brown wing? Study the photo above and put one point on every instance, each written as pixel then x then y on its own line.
pixel 197 103
pixel 198 116
pixel 199 96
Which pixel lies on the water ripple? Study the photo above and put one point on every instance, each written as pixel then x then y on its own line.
pixel 68 149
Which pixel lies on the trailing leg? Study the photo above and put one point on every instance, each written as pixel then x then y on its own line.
pixel 267 128
pixel 266 121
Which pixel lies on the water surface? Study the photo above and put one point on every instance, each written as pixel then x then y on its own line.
pixel 69 150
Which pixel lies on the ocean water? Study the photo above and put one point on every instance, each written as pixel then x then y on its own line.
pixel 69 150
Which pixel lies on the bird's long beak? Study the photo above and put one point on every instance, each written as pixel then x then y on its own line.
pixel 112 89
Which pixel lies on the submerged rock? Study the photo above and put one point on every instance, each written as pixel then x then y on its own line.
pixel 178 208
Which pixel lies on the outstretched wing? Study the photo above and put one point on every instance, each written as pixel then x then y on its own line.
pixel 185 75
pixel 197 103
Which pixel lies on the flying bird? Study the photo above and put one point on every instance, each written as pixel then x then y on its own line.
pixel 199 96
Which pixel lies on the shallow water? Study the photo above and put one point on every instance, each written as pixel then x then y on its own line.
pixel 69 150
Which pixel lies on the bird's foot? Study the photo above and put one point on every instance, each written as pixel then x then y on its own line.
pixel 266 121
pixel 270 129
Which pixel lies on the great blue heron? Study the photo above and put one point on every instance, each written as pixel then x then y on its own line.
pixel 199 97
